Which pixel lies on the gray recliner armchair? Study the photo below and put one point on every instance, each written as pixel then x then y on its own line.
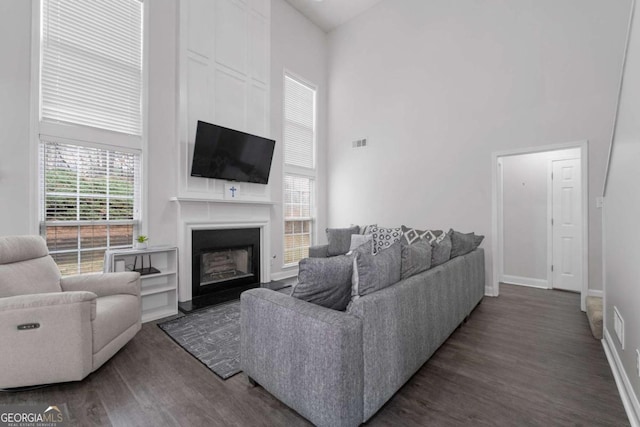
pixel 55 329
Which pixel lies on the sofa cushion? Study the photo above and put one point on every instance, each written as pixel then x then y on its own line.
pixel 416 258
pixel 441 250
pixel 374 272
pixel 340 239
pixel 463 243
pixel 359 239
pixel 325 281
pixel 383 238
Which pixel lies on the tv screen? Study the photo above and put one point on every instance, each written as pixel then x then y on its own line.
pixel 232 155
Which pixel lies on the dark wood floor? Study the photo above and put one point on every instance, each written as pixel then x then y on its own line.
pixel 526 358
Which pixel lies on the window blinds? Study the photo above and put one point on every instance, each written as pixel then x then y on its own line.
pixel 90 202
pixel 298 196
pixel 299 123
pixel 91 70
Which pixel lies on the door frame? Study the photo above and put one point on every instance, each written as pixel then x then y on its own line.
pixel 497 232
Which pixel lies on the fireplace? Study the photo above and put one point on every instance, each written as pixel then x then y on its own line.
pixel 222 265
pixel 225 262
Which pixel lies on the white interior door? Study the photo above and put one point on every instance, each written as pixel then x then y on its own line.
pixel 567 225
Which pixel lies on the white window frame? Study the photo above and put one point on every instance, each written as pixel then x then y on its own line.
pixel 311 218
pixel 83 135
pixel 298 171
pixel 75 198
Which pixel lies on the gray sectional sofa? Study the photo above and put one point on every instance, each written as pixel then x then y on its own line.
pixel 338 368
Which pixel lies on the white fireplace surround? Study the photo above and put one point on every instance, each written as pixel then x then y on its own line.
pixel 184 288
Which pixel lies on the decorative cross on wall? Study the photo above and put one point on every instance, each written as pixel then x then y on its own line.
pixel 233 191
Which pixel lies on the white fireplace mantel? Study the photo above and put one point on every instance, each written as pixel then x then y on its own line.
pixel 212 214
pixel 178 199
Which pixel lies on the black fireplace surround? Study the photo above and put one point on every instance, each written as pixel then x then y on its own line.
pixel 215 251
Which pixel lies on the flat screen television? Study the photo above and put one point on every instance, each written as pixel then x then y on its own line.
pixel 228 154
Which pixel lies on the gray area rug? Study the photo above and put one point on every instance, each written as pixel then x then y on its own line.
pixel 211 335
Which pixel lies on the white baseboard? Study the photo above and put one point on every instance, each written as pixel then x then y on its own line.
pixel 525 281
pixel 628 396
pixel 489 292
pixel 284 274
pixel 594 293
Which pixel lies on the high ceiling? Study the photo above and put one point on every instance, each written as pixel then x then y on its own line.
pixel 329 14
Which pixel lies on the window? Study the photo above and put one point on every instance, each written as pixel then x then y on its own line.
pixel 91 58
pixel 298 220
pixel 90 203
pixel 300 172
pixel 90 129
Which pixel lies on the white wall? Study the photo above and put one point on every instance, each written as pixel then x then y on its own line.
pixel 297 44
pixel 525 215
pixel 621 216
pixel 16 166
pixel 162 149
pixel 224 79
pixel 18 163
pixel 300 47
pixel 438 86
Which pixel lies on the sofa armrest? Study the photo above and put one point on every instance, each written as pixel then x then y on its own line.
pixel 308 356
pixel 104 284
pixel 58 347
pixel 319 251
pixel 44 300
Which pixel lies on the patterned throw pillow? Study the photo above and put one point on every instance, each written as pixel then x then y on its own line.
pixel 366 229
pixel 435 236
pixel 412 235
pixel 383 238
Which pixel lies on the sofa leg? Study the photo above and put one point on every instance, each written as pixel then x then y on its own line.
pixel 252 382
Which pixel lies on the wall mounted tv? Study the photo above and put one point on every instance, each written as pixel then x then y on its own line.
pixel 224 153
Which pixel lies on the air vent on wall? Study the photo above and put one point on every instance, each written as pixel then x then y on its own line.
pixel 618 326
pixel 359 143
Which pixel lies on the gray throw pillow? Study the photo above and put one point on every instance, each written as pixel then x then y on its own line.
pixel 416 258
pixel 339 239
pixel 441 251
pixel 359 239
pixel 374 272
pixel 325 281
pixel 462 244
